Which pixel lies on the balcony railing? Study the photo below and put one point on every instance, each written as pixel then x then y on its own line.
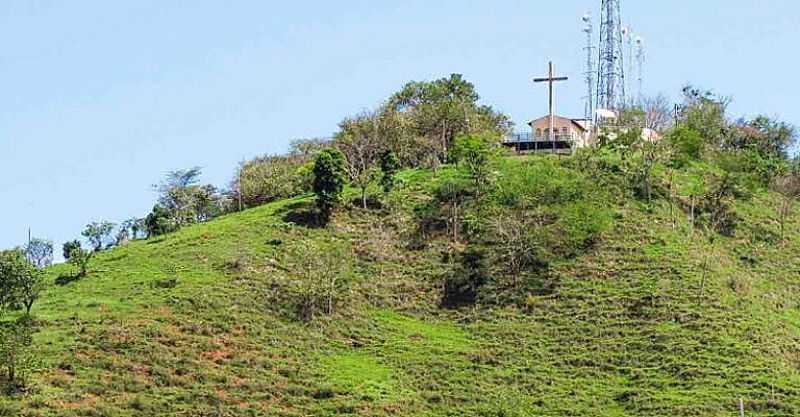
pixel 524 137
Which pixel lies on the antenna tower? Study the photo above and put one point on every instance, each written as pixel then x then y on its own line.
pixel 588 29
pixel 611 67
pixel 640 63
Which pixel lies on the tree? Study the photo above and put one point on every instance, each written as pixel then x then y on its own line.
pixel 686 145
pixel 475 153
pixel 770 138
pixel 80 258
pixel 30 288
pixel 788 187
pixel 159 222
pixel 16 273
pixel 360 141
pixel 185 199
pixel 329 180
pixel 269 178
pixel 68 247
pixel 439 111
pixel 21 282
pixel 39 252
pixel 98 233
pixel 389 167
pixel 704 112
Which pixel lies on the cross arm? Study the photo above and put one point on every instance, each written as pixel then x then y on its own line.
pixel 542 80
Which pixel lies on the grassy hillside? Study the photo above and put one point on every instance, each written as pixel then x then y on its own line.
pixel 201 322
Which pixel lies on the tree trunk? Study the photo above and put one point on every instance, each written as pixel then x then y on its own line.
pixel 364 197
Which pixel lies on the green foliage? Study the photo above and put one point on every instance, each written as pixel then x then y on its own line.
pixel 320 274
pixel 704 113
pixel 68 247
pixel 16 357
pixel 159 222
pixel 80 258
pixel 434 113
pixel 475 153
pixel 98 233
pixel 188 202
pixel 771 139
pixel 329 179
pixel 389 166
pixel 271 178
pixel 687 145
pixel 15 269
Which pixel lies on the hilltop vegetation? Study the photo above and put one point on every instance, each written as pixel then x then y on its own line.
pixel 652 278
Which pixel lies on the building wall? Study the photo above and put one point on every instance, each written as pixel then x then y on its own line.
pixel 564 128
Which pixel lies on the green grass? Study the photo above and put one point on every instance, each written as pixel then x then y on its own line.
pixel 626 330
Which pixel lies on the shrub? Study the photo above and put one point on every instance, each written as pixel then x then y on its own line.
pixel 319 275
pixel 329 180
pixel 389 167
pixel 80 258
pixel 16 358
pixel 69 247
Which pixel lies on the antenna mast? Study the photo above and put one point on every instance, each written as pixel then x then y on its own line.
pixel 588 29
pixel 640 62
pixel 611 68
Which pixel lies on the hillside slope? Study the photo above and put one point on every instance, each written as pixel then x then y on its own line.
pixel 201 323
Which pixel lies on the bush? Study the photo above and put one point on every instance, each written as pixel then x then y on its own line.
pixel 80 258
pixel 329 180
pixel 319 276
pixel 16 358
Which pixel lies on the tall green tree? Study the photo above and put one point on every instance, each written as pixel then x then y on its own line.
pixel 440 110
pixel 329 180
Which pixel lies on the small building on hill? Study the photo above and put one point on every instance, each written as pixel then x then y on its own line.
pixel 569 134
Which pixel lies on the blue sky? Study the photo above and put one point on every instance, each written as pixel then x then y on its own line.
pixel 98 99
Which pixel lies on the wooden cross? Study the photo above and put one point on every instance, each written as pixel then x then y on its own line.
pixel 550 80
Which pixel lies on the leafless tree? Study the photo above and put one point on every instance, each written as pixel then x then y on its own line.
pixel 657 112
pixel 360 140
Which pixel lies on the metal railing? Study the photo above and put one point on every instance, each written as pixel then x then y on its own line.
pixel 522 137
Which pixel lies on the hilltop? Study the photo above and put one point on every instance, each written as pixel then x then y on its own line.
pixel 626 309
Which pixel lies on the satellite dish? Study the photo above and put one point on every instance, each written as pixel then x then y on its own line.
pixel 606 114
pixel 639 40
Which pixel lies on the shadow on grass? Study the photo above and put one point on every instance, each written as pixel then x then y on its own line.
pixel 67 279
pixel 303 214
